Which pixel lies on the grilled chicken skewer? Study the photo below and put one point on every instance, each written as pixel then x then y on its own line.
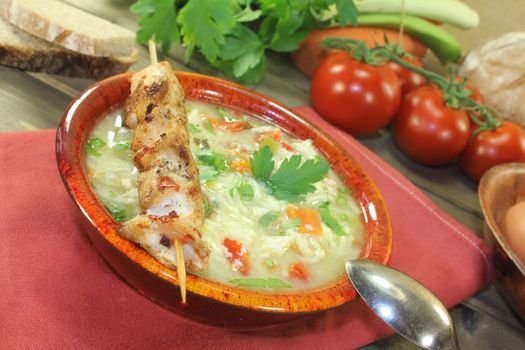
pixel 169 190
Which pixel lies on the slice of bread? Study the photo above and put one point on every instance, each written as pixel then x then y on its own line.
pixel 69 27
pixel 21 50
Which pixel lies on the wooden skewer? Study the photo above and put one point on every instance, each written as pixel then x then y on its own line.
pixel 181 269
pixel 179 253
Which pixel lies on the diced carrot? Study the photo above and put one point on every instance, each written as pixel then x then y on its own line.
pixel 241 164
pixel 274 134
pixel 287 147
pixel 230 126
pixel 310 219
pixel 237 255
pixel 235 126
pixel 298 270
pixel 238 114
pixel 215 123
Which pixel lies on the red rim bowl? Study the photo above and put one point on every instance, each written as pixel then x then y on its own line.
pixel 211 302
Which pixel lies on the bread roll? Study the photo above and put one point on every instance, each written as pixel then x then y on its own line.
pixel 498 69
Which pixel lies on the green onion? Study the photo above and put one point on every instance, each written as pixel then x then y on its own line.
pixel 269 262
pixel 207 206
pixel 224 114
pixel 208 127
pixel 342 195
pixel 329 220
pixel 192 128
pixel 269 217
pixel 208 173
pixel 288 224
pixel 93 145
pixel 123 149
pixel 122 146
pixel 245 191
pixel 260 283
pixel 214 159
pixel 270 142
pixel 119 214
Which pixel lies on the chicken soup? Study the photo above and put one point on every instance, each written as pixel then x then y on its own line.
pixel 277 217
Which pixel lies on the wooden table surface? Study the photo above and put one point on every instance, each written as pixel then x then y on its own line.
pixel 32 101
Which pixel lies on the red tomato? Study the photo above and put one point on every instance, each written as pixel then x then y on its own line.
pixel 492 147
pixel 236 254
pixel 427 130
pixel 409 80
pixel 354 96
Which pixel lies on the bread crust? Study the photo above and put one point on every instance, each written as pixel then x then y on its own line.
pixel 63 62
pixel 52 21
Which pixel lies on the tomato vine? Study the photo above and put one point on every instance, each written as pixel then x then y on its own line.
pixel 455 92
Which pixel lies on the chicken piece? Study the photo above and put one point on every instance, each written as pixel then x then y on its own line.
pixel 169 190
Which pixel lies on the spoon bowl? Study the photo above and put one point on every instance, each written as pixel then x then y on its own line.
pixel 403 303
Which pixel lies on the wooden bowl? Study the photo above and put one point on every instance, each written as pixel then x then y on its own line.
pixel 499 189
pixel 208 301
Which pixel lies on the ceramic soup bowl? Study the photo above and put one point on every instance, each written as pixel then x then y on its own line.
pixel 208 301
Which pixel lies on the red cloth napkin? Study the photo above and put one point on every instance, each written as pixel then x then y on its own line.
pixel 56 292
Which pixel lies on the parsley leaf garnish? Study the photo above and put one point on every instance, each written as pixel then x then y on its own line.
pixel 262 164
pixel 293 179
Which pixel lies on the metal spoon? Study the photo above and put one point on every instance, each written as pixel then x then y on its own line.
pixel 404 304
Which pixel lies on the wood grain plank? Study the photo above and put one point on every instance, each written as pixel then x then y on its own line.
pixel 28 103
pixel 445 182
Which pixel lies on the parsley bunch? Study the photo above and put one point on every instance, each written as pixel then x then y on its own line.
pixel 234 35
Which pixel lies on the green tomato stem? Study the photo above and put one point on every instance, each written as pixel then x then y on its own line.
pixel 454 93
